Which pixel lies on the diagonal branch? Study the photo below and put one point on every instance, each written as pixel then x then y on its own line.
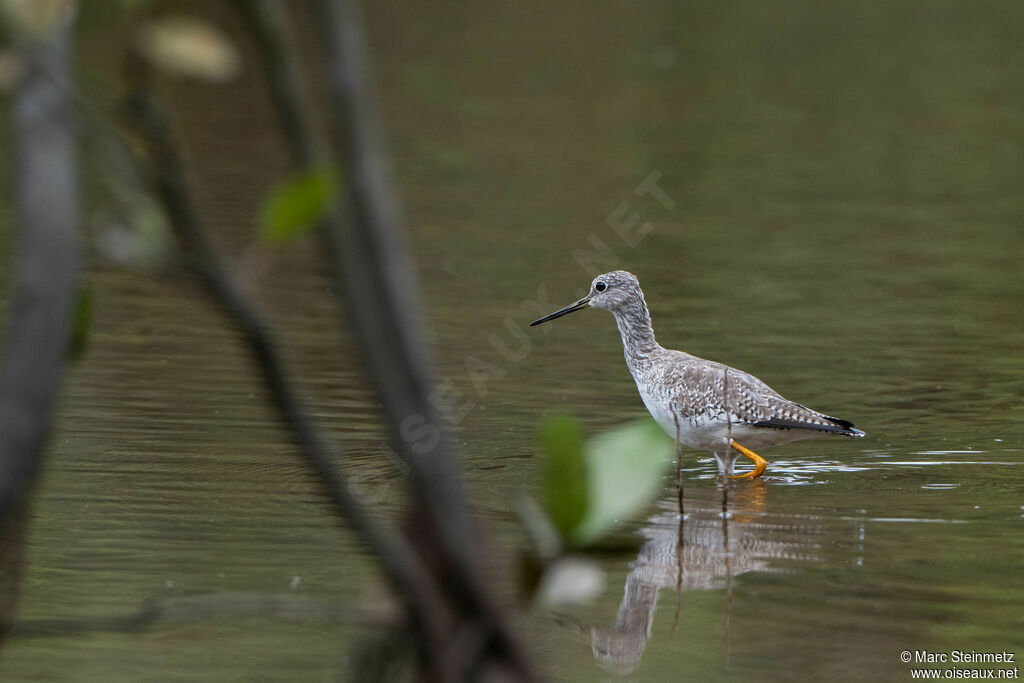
pixel 379 280
pixel 371 267
pixel 380 285
pixel 404 568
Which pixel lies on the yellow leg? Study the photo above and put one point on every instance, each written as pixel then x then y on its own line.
pixel 759 462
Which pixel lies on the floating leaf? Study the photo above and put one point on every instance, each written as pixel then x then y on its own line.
pixel 293 208
pixel 625 470
pixel 565 480
pixel 188 46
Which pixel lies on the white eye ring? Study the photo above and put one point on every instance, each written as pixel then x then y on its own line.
pixel 600 286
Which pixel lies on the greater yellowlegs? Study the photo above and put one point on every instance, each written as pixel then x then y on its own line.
pixel 700 403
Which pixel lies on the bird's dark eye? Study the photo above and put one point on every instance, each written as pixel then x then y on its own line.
pixel 600 286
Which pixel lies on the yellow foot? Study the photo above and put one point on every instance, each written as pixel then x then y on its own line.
pixel 759 462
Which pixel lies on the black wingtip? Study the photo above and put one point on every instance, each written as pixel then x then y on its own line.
pixel 841 427
pixel 847 428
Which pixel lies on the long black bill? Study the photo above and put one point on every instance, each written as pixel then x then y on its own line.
pixel 582 303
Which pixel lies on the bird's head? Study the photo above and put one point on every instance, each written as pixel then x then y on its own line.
pixel 611 291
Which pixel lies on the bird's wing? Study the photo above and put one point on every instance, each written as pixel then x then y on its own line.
pixel 708 389
pixel 697 390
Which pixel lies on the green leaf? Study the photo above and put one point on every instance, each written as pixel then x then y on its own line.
pixel 625 470
pixel 292 209
pixel 565 477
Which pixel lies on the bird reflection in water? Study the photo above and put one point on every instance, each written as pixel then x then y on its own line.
pixel 724 533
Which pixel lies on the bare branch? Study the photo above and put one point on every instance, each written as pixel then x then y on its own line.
pixel 380 286
pixel 379 279
pixel 412 583
pixel 370 265
pixel 46 262
pixel 46 269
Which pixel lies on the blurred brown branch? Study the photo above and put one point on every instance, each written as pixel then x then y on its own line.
pixel 46 269
pixel 372 268
pixel 402 565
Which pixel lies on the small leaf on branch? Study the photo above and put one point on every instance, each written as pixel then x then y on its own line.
pixel 294 208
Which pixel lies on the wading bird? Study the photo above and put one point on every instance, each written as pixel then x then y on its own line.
pixel 703 404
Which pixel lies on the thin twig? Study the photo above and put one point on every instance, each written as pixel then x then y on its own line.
pixel 679 459
pixel 727 404
pixel 680 532
pixel 189 610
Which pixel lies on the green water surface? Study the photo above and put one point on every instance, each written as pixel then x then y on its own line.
pixel 842 217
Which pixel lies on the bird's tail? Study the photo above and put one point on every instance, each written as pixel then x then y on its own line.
pixel 846 428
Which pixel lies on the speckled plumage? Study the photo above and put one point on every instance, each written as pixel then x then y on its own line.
pixel 708 403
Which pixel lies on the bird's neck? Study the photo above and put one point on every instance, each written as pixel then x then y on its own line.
pixel 638 341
